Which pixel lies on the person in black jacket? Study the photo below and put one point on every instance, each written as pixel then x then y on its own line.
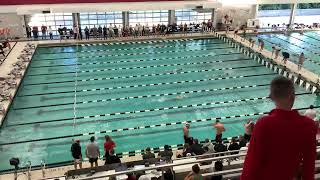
pixel 234 146
pixel 112 158
pixel 76 153
pixel 197 148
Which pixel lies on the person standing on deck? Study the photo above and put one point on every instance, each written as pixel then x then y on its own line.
pixel 248 130
pixel 261 44
pixel 301 61
pixel 277 51
pixel 269 157
pixel 50 32
pixel 186 132
pixel 93 152
pixel 76 153
pixel 108 145
pixel 219 127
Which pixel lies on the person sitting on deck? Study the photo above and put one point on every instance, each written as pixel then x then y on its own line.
pixel 219 147
pixel 112 158
pixel 196 148
pixel 148 154
pixel 166 154
pixel 6 44
pixel 233 146
pixel 2 51
pixel 209 145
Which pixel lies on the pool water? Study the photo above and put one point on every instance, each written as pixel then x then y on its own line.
pixel 295 43
pixel 138 92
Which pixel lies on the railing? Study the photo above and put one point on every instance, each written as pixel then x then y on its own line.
pixel 199 159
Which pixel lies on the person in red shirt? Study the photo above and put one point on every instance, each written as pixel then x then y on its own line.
pixel 108 145
pixel 283 143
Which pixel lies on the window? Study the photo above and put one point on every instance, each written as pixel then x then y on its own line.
pixel 53 19
pixel 190 16
pixel 307 13
pixel 148 17
pixel 270 14
pixel 100 19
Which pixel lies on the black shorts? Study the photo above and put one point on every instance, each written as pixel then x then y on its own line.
pixel 218 137
pixel 93 160
pixel 247 137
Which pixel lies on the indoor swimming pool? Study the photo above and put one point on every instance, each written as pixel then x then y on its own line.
pixel 139 93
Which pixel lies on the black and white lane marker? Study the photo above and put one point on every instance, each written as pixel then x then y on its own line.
pixel 147 96
pixel 152 84
pixel 140 67
pixel 133 54
pixel 143 127
pixel 135 60
pixel 295 37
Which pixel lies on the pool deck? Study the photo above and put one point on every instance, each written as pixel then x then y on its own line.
pixel 308 75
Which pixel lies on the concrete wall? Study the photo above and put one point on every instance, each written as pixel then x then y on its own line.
pixel 14 22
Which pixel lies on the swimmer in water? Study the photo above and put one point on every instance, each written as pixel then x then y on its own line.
pixel 180 97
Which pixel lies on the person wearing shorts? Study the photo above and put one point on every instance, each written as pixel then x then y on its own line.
pixel 76 153
pixel 92 152
pixel 219 127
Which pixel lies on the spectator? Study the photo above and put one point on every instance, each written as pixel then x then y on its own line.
pixel 50 32
pixel 108 145
pixel 100 32
pixel 196 147
pixel 95 31
pixel 44 31
pixel 60 31
pixel 35 32
pixel 76 32
pixel 87 33
pixel 148 154
pixel 311 113
pixel 219 130
pixel 218 166
pixel 28 31
pixel 166 154
pixel 209 145
pixel 242 141
pixel 219 147
pixel 2 51
pixel 76 153
pixel 105 32
pixel 248 130
pixel 112 159
pixel 187 151
pixel 92 152
pixel 194 174
pixel 271 158
pixel 233 146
